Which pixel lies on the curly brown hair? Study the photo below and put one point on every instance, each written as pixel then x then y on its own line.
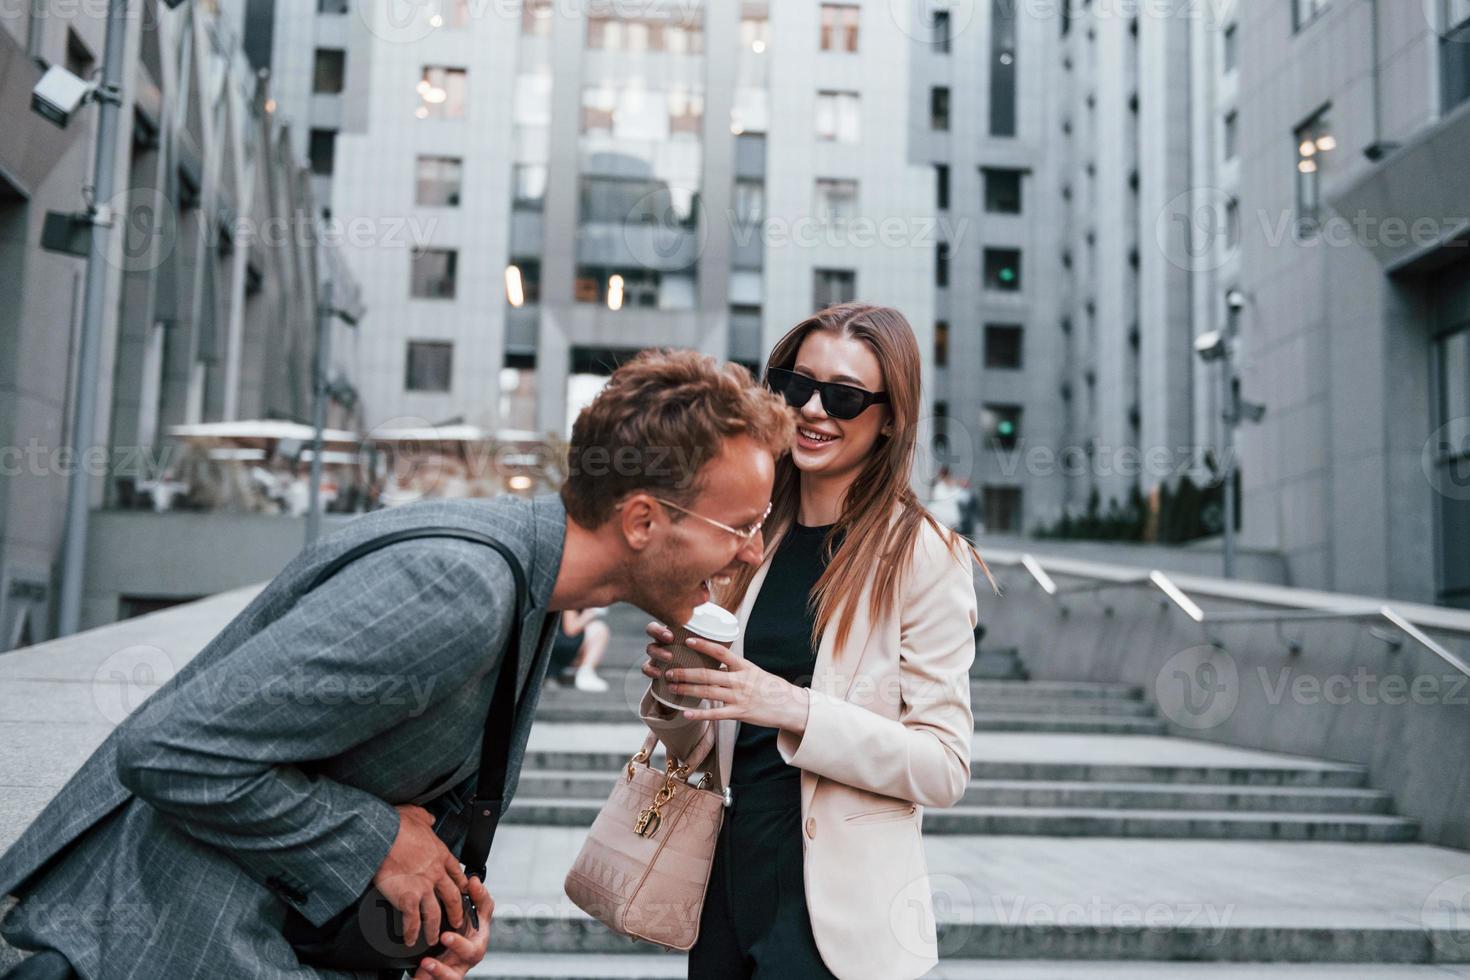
pixel 661 416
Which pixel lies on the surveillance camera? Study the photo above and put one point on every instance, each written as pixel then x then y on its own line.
pixel 1235 299
pixel 1210 346
pixel 1252 411
pixel 58 94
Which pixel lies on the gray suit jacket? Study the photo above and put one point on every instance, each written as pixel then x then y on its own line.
pixel 264 774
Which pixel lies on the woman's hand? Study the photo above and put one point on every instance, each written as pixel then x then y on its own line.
pixel 746 692
pixel 461 952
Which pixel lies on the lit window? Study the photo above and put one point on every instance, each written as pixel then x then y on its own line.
pixel 441 93
pixel 1314 145
pixel 1003 270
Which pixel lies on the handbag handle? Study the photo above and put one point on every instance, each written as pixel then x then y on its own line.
pixel 489 796
pixel 652 739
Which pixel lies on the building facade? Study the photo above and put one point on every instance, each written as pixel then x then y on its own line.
pixel 213 263
pixel 578 182
pixel 1353 322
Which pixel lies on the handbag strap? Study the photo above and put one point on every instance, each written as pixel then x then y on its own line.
pixel 652 739
pixel 489 795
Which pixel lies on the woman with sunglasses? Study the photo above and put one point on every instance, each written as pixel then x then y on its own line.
pixel 844 708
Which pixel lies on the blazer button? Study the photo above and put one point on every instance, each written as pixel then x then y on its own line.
pixel 811 827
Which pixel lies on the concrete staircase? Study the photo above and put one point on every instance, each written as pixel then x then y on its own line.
pixel 1090 843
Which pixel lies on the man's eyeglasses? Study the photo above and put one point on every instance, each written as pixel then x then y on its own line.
pixel 845 402
pixel 744 534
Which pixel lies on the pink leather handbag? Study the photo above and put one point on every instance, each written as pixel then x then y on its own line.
pixel 645 865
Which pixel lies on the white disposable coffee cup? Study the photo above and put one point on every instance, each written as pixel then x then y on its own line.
pixel 711 622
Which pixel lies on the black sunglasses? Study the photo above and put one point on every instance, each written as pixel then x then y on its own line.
pixel 840 401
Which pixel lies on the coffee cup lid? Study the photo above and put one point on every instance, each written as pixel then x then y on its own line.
pixel 714 623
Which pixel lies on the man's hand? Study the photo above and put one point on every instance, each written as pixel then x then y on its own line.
pixel 461 952
pixel 418 874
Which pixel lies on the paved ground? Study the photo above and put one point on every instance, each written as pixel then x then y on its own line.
pixel 1113 906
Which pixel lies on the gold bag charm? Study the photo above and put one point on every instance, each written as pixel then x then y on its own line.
pixel 647 823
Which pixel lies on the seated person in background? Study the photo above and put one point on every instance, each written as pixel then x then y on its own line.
pixel 581 640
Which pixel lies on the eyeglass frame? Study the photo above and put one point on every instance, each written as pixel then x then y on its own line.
pixel 820 389
pixel 746 536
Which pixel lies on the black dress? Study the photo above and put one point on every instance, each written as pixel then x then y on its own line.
pixel 755 922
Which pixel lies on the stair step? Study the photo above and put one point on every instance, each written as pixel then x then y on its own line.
pixel 1070 822
pixel 1199 824
pixel 1004 664
pixel 1187 938
pixel 603 707
pixel 1016 717
pixel 1071 724
pixel 1347 777
pixel 1054 689
pixel 588 785
pixel 1163 796
pixel 674 966
pixel 624 693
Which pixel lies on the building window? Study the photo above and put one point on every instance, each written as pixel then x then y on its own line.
pixel 1003 270
pixel 433 273
pixel 536 17
pixel 1232 135
pixel 330 70
pixel 750 202
pixel 1001 425
pixel 939 109
pixel 837 117
pixel 1230 44
pixel 679 33
pixel 941 264
pixel 454 14
pixel 1454 53
pixel 439 181
pixel 1002 190
pixel 523 281
pixel 1003 346
pixel 941 343
pixel 442 93
pixel 1003 67
pixel 528 184
pixel 833 286
pixel 429 365
pixel 1232 223
pixel 635 286
pixel 837 200
pixel 323 151
pixel 942 32
pixel 1306 11
pixel 941 186
pixel 1449 454
pixel 1002 509
pixel 331 6
pixel 839 27
pixel 1314 145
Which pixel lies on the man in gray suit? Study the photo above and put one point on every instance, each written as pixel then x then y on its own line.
pixel 295 760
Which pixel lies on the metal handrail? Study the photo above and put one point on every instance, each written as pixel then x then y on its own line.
pixel 1182 600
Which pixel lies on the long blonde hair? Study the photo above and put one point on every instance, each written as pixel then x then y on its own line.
pixel 873 542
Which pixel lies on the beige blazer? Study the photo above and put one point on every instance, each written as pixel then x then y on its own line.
pixel 888 733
